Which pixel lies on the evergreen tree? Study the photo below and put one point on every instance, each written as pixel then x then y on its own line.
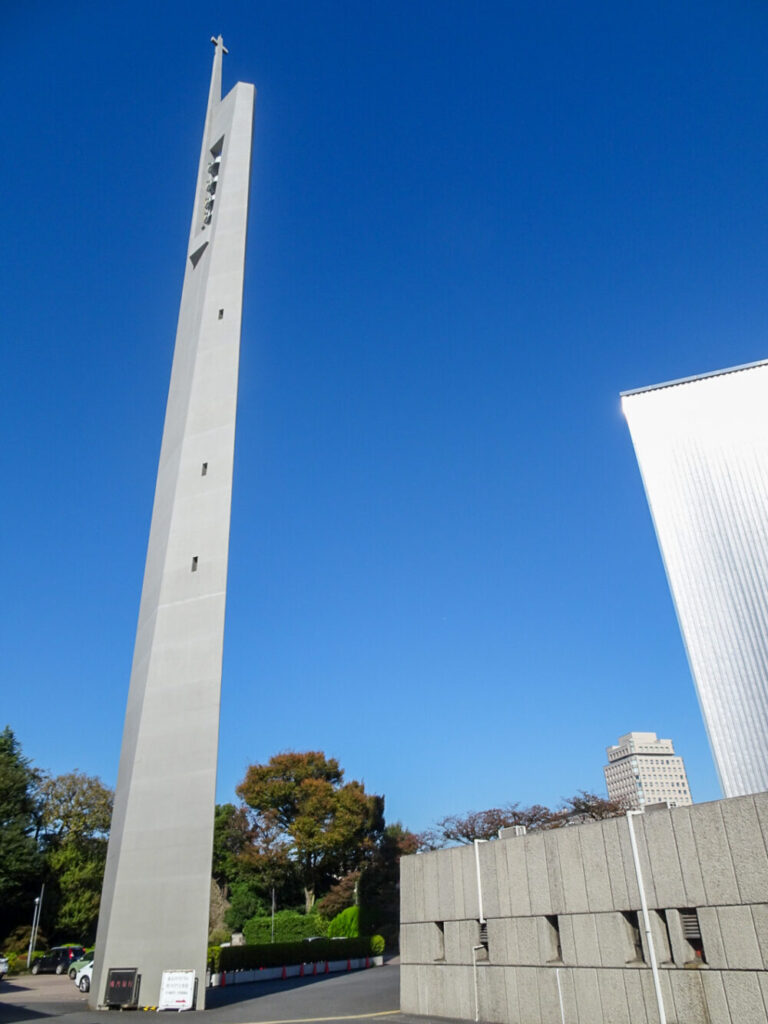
pixel 21 864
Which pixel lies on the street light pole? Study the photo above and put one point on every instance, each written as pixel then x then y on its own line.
pixel 35 924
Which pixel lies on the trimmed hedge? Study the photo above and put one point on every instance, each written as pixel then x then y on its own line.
pixel 282 954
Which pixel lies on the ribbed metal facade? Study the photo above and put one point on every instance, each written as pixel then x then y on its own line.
pixel 702 447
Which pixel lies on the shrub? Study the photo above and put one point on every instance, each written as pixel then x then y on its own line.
pixel 18 940
pixel 219 935
pixel 377 945
pixel 346 924
pixel 290 926
pixel 214 955
pixel 282 954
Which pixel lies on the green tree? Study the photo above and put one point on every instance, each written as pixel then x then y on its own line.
pixel 21 865
pixel 326 826
pixel 232 834
pixel 76 815
pixel 379 887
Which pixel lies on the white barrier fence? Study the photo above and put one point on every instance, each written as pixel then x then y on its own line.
pixel 221 978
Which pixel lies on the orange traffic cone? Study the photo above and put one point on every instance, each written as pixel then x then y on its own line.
pixel 285 973
pixel 327 968
pixel 301 970
pixel 349 965
pixel 314 967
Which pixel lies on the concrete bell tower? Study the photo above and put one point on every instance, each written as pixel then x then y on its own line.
pixel 154 905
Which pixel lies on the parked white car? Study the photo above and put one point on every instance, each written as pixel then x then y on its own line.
pixel 83 977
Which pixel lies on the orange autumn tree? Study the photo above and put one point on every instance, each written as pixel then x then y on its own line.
pixel 329 827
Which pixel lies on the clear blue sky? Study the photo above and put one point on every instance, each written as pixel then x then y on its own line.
pixel 472 226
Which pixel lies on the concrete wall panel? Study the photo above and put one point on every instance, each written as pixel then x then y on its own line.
pixel 611 939
pixel 409 988
pixel 567 939
pixel 585 940
pixel 502 877
pixel 613 854
pixel 689 1005
pixel 469 880
pixel 489 879
pixel 760 921
pixel 517 873
pixel 549 1003
pixel 417 892
pixel 747 849
pixel 528 941
pixel 737 929
pixel 492 992
pixel 693 882
pixel 714 951
pixel 572 869
pixel 590 1008
pixel 407 894
pixel 665 862
pixel 633 985
pixel 456 858
pixel 552 856
pixel 714 992
pixel 630 875
pixel 428 863
pixel 498 947
pixel 599 895
pixel 649 881
pixel 538 874
pixel 446 891
pixel 513 1003
pixel 460 937
pixel 528 995
pixel 613 997
pixel 744 996
pixel 714 855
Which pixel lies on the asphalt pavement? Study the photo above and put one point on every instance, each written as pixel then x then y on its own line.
pixel 372 994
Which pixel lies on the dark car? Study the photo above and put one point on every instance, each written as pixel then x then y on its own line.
pixel 57 959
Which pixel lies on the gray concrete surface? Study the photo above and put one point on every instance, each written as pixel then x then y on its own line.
pixel 154 906
pixel 362 995
pixel 579 884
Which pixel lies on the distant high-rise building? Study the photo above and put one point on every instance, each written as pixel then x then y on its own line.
pixel 645 770
pixel 702 447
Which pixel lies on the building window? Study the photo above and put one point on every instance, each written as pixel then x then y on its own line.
pixel 194 563
pixel 689 920
pixel 482 941
pixel 221 314
pixel 552 926
pixel 439 932
pixel 204 470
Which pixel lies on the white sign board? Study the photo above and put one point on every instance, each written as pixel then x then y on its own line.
pixel 177 990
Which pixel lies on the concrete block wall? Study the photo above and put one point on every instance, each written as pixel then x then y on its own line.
pixel 564 941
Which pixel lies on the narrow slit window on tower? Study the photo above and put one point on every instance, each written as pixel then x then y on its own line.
pixel 204 470
pixel 221 314
pixel 194 563
pixel 440 940
pixel 552 931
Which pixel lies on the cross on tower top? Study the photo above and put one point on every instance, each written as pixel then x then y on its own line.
pixel 219 42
